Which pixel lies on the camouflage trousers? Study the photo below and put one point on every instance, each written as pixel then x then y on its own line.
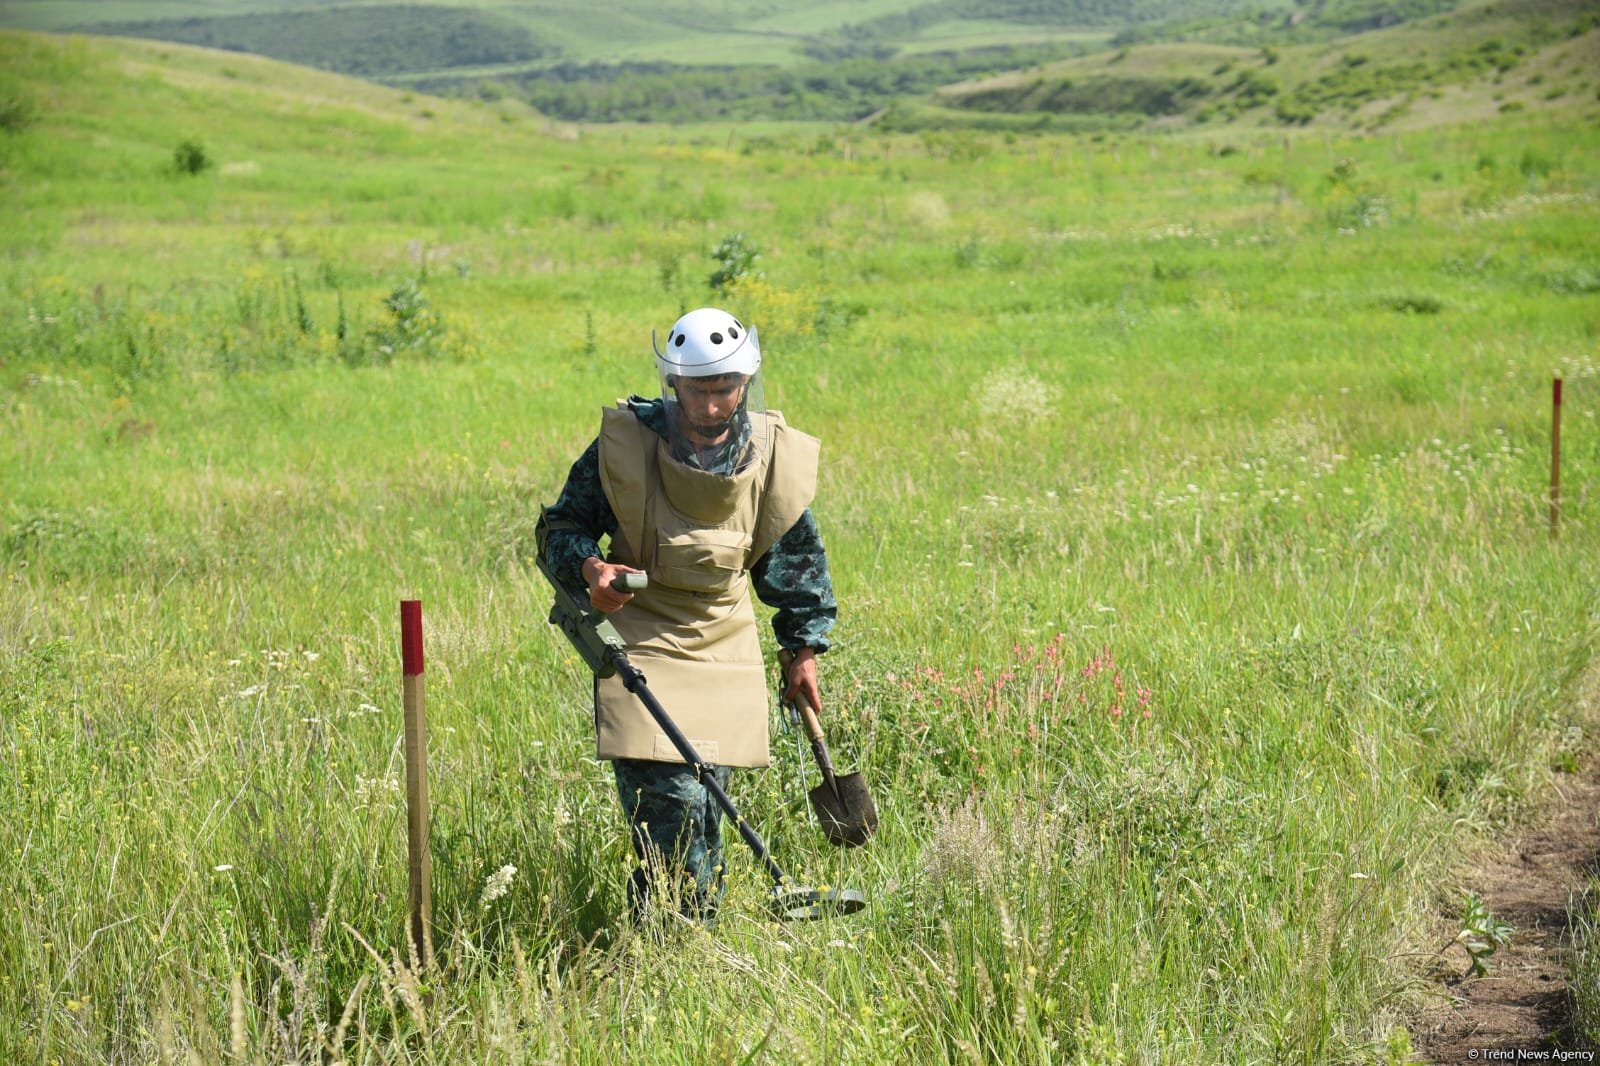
pixel 676 829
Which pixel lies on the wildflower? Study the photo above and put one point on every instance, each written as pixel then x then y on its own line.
pixel 498 884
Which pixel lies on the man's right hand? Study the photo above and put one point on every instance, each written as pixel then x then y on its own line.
pixel 599 574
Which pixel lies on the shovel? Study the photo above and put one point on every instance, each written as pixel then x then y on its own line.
pixel 843 805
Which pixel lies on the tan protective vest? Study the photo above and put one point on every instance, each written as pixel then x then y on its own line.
pixel 693 631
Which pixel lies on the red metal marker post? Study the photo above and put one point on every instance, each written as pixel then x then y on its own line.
pixel 1555 457
pixel 420 897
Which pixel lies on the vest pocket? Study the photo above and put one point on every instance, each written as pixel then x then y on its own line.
pixel 703 560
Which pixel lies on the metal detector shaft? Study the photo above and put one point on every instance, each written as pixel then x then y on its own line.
pixel 634 682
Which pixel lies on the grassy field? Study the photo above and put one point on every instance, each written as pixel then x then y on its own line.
pixel 1185 496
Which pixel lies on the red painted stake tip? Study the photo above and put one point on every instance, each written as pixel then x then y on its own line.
pixel 411 637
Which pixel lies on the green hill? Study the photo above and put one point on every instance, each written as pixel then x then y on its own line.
pixel 1488 57
pixel 1069 64
pixel 698 59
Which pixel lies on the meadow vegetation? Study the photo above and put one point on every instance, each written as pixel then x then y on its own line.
pixel 1185 496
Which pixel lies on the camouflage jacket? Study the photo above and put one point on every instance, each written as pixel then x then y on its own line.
pixel 792 577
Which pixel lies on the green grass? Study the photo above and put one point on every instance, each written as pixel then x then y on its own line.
pixel 1184 496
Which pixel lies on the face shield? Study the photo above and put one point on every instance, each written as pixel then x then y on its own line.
pixel 709 423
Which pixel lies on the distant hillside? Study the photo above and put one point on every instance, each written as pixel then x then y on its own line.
pixel 1013 64
pixel 1489 56
pixel 1098 14
pixel 500 37
pixel 845 90
pixel 113 115
pixel 364 41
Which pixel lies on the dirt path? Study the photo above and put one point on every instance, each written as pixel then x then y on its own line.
pixel 1522 1005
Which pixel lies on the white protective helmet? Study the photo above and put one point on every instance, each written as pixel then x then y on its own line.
pixel 707 342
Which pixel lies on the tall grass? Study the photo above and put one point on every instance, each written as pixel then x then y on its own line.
pixel 1200 610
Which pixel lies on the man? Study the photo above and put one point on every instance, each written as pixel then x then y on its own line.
pixel 708 493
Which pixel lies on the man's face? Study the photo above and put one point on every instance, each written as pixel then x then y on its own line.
pixel 708 403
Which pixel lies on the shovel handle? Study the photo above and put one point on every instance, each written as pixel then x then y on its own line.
pixel 808 713
pixel 808 718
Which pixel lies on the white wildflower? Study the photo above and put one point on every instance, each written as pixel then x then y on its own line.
pixel 498 884
pixel 1009 389
pixel 372 790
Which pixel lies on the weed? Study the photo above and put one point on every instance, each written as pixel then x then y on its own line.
pixel 1481 935
pixel 1585 980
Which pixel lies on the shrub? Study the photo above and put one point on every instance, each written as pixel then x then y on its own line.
pixel 1294 111
pixel 190 157
pixel 17 112
pixel 1414 304
pixel 1534 164
pixel 412 326
pixel 736 258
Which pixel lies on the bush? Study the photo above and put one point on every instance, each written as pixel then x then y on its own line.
pixel 1534 164
pixel 1294 111
pixel 736 257
pixel 412 326
pixel 190 157
pixel 17 112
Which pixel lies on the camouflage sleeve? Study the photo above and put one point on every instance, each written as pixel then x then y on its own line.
pixel 793 577
pixel 578 519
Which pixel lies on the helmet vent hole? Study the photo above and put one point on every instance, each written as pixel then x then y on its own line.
pixel 716 338
pixel 733 333
pixel 680 339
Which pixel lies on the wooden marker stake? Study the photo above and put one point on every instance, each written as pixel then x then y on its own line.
pixel 1555 456
pixel 420 897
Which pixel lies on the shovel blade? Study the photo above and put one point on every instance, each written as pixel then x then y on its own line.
pixel 849 818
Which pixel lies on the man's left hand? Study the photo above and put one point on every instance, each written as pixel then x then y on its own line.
pixel 802 678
